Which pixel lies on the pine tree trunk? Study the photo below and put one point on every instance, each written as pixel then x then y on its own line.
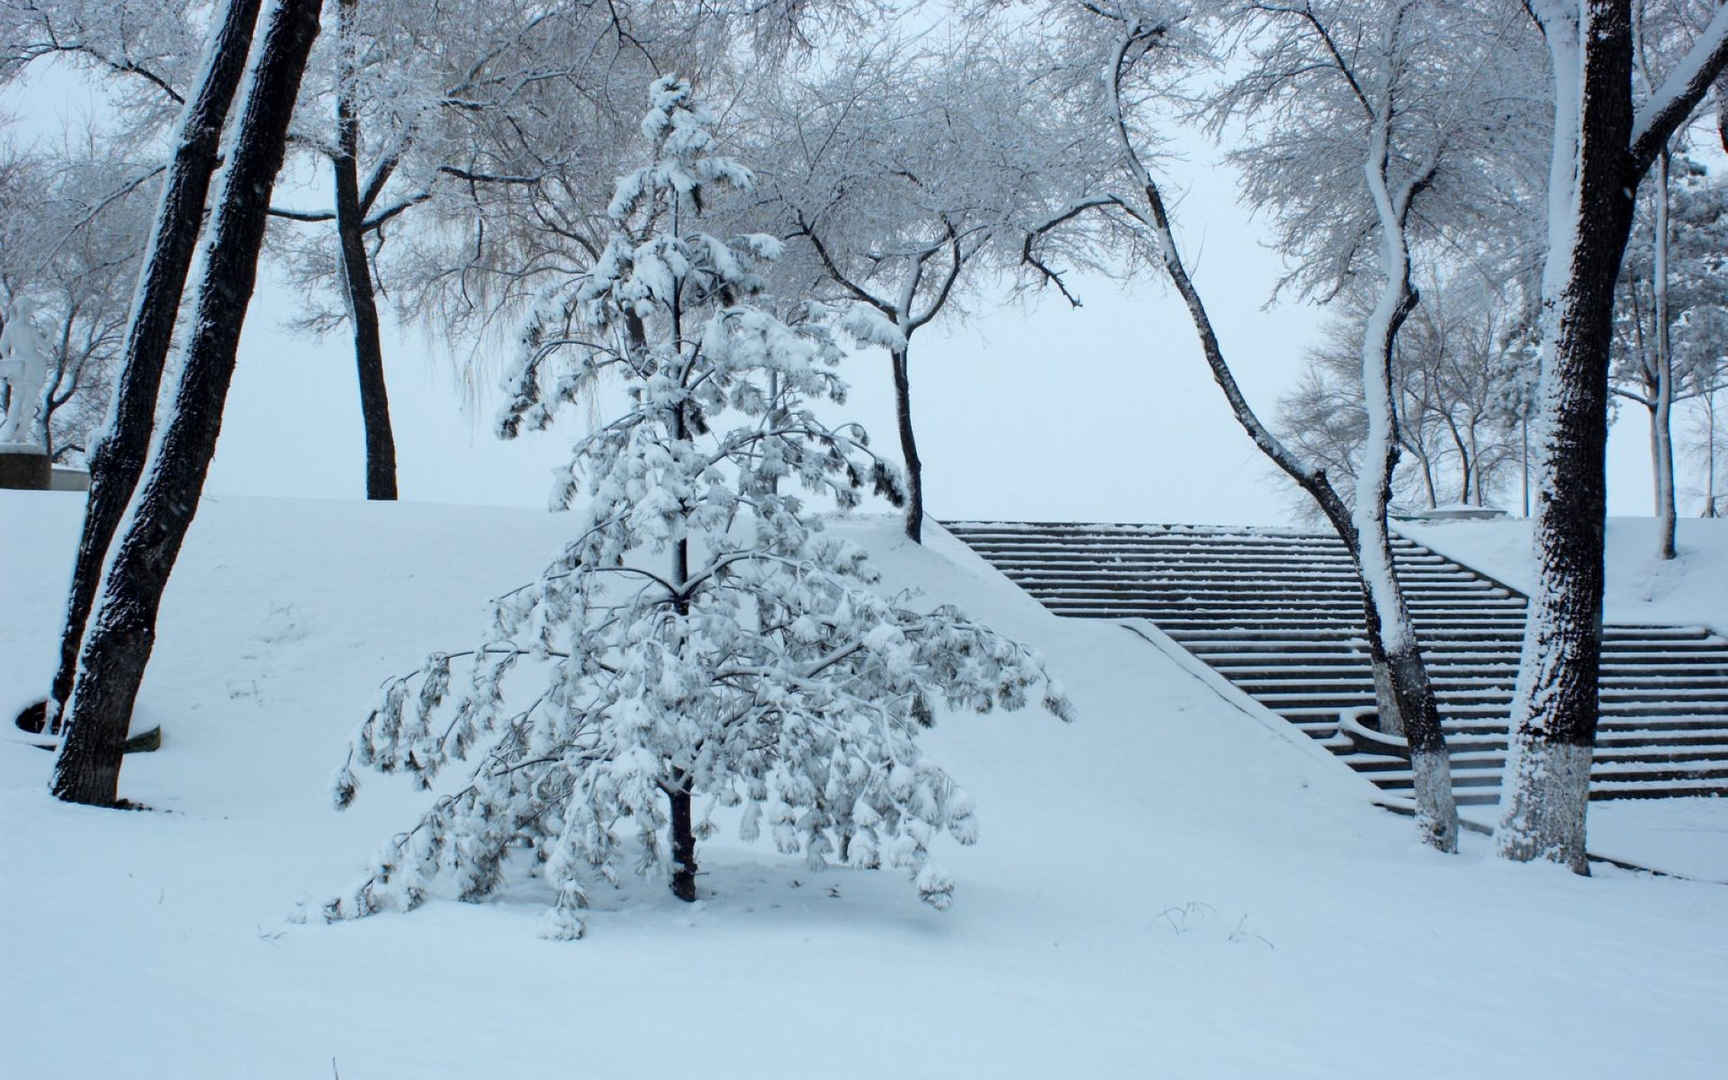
pixel 117 459
pixel 683 839
pixel 683 832
pixel 1554 710
pixel 123 628
pixel 909 449
pixel 357 276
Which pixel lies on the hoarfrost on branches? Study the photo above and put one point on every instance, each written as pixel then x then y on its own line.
pixel 703 644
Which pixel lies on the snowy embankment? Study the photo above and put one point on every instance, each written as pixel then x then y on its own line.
pixel 1166 887
pixel 1691 590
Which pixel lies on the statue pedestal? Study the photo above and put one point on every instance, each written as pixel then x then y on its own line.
pixel 24 467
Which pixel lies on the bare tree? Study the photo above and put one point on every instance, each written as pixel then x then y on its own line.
pixel 401 82
pixel 148 47
pixel 1455 383
pixel 405 85
pixel 69 266
pixel 1603 145
pixel 1374 111
pixel 123 627
pixel 913 171
pixel 117 461
pixel 1669 314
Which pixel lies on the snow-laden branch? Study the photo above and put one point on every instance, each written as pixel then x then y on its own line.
pixel 1028 257
pixel 1656 120
pixel 1310 477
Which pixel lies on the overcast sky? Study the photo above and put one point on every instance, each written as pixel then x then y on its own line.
pixel 1024 410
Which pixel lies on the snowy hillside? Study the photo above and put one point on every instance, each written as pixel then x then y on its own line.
pixel 1690 589
pixel 1166 887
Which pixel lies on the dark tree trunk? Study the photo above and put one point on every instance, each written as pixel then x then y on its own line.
pixel 679 791
pixel 683 832
pixel 111 664
pixel 117 460
pixel 1428 482
pixel 357 276
pixel 683 839
pixel 1555 709
pixel 909 448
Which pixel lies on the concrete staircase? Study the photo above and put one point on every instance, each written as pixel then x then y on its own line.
pixel 1279 614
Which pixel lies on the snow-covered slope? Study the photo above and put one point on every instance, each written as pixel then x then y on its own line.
pixel 1689 590
pixel 1165 887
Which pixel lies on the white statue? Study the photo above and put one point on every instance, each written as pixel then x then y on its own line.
pixel 24 371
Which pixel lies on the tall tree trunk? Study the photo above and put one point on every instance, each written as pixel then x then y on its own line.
pixel 1662 416
pixel 1403 692
pixel 908 448
pixel 1390 679
pixel 1524 459
pixel 1476 471
pixel 679 792
pixel 1407 703
pixel 1655 462
pixel 123 628
pixel 1592 183
pixel 117 459
pixel 357 272
pixel 1710 454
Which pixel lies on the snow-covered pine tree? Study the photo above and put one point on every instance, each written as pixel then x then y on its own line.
pixel 701 638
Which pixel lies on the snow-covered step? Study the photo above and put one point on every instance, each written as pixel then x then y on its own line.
pixel 1239 636
pixel 1706 741
pixel 1279 614
pixel 1309 569
pixel 1264 592
pixel 1145 583
pixel 1623 775
pixel 1614 688
pixel 1485 628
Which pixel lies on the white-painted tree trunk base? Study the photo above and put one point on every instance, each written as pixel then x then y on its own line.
pixel 1436 807
pixel 1543 802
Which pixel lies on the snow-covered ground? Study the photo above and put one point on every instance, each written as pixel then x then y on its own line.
pixel 1164 888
